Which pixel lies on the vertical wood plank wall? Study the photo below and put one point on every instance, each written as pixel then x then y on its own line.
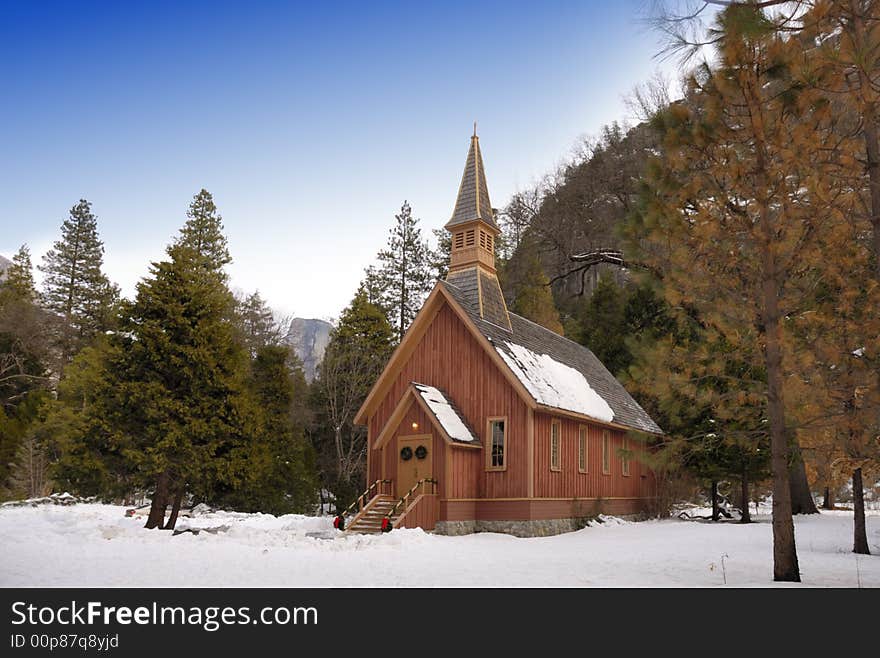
pixel 568 482
pixel 449 358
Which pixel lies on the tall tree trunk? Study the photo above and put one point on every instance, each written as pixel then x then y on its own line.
pixel 744 481
pixel 715 512
pixel 785 562
pixel 860 536
pixel 827 502
pixel 175 509
pixel 159 503
pixel 801 498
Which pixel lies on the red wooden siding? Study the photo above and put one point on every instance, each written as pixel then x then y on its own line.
pixel 568 482
pixel 467 466
pixel 450 358
pixel 422 513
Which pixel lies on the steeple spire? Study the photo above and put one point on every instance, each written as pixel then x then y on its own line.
pixel 474 231
pixel 473 193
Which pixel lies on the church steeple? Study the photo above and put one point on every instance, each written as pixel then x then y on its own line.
pixel 474 231
pixel 472 224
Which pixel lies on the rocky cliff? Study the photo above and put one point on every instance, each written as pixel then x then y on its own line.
pixel 4 263
pixel 309 338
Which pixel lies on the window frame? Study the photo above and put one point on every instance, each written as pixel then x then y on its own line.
pixel 606 452
pixel 583 449
pixel 489 445
pixel 625 470
pixel 554 424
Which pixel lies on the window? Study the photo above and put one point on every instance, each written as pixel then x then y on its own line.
pixel 606 452
pixel 483 237
pixel 469 238
pixel 489 242
pixel 497 441
pixel 624 456
pixel 555 457
pixel 459 240
pixel 582 449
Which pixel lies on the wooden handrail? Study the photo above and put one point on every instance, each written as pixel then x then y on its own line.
pixel 409 493
pixel 364 498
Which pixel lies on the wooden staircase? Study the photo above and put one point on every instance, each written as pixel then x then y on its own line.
pixel 369 519
pixel 416 508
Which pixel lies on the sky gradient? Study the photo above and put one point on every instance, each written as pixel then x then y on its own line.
pixel 310 123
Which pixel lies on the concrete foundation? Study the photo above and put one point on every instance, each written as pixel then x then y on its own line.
pixel 531 528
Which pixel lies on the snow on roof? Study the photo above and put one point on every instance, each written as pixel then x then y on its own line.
pixel 448 418
pixel 554 384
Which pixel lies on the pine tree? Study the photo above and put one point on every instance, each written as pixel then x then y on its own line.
pixel 440 257
pixel 839 383
pixel 735 213
pixel 80 429
pixel 604 325
pixel 404 271
pixel 180 390
pixel 357 352
pixel 257 323
pixel 279 464
pixel 534 300
pixel 203 232
pixel 74 287
pixel 19 281
pixel 373 287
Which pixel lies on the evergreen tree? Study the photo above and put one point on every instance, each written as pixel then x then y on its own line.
pixel 373 288
pixel 534 300
pixel 839 382
pixel 20 449
pixel 440 257
pixel 25 334
pixel 358 350
pixel 29 477
pixel 279 472
pixel 179 396
pixel 19 282
pixel 734 215
pixel 604 325
pixel 257 323
pixel 74 287
pixel 404 271
pixel 79 429
pixel 203 232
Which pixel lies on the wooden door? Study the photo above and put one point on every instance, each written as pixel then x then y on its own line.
pixel 415 460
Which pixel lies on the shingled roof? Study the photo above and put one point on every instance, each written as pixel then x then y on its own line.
pixel 543 342
pixel 473 194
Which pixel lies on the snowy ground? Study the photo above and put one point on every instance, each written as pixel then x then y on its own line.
pixel 96 545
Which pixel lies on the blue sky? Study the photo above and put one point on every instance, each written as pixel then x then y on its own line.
pixel 310 123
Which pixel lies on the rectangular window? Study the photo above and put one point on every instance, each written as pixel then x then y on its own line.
pixel 497 444
pixel 606 452
pixel 582 449
pixel 555 456
pixel 459 240
pixel 624 456
pixel 483 239
pixel 469 238
pixel 489 243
